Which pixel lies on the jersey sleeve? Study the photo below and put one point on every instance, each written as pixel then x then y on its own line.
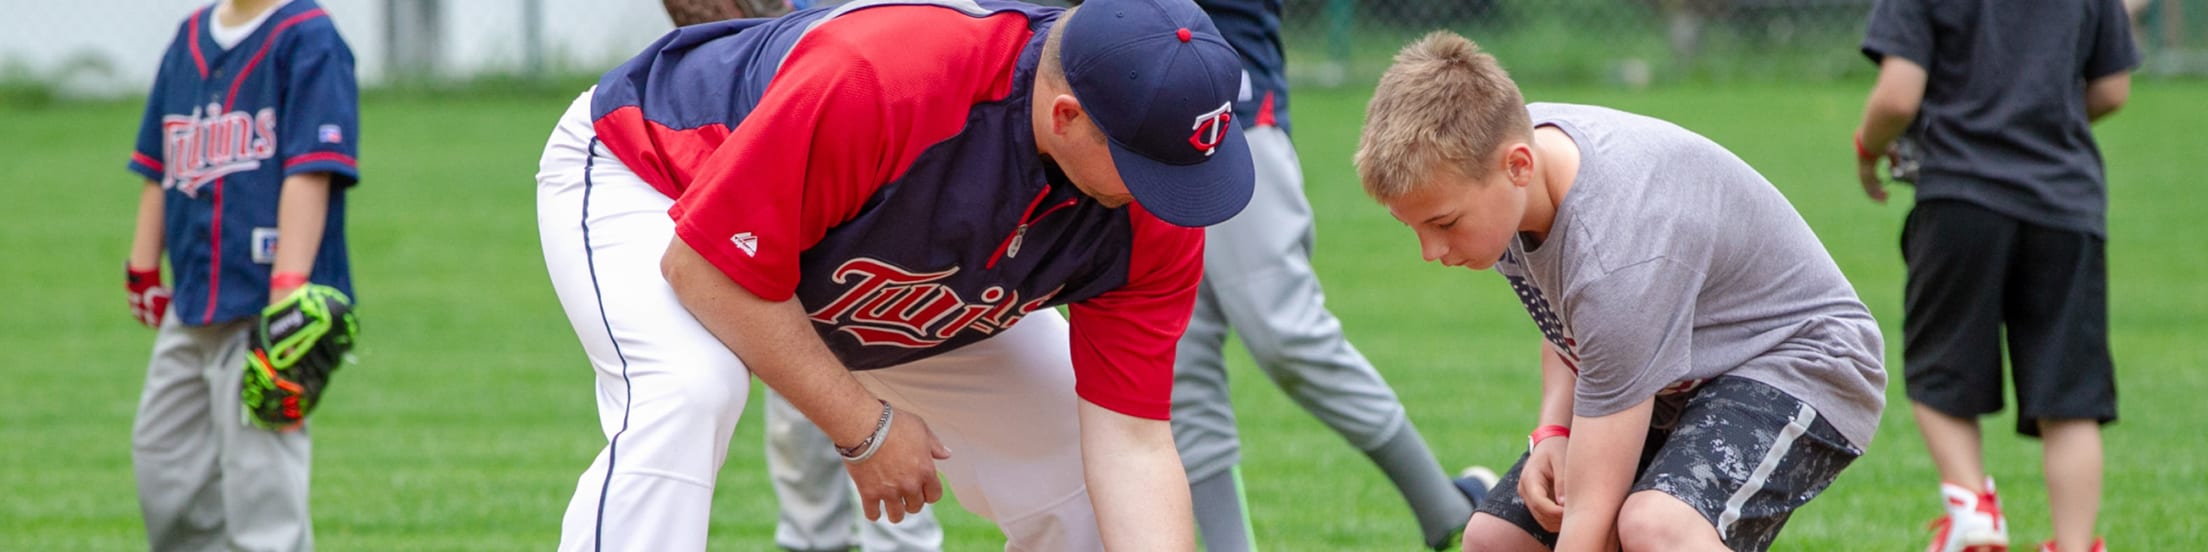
pixel 319 116
pixel 1635 328
pixel 150 158
pixel 805 160
pixel 838 122
pixel 1123 340
pixel 2113 50
pixel 1899 28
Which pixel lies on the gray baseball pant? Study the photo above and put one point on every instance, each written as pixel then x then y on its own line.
pixel 1259 283
pixel 207 480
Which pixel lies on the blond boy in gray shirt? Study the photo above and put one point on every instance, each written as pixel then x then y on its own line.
pixel 1693 321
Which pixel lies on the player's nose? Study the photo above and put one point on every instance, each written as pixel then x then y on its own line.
pixel 1432 249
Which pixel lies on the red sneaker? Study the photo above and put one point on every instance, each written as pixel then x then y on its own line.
pixel 1973 522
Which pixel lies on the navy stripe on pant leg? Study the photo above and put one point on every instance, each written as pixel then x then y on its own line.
pixel 598 540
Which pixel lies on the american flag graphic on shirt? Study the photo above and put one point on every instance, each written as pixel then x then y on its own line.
pixel 1552 327
pixel 1537 306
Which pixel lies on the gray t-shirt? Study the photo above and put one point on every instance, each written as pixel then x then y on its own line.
pixel 1671 262
pixel 2003 122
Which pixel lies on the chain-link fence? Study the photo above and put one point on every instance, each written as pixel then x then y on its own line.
pixel 1639 42
pixel 1331 42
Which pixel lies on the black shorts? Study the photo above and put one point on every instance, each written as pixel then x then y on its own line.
pixel 1771 455
pixel 1974 272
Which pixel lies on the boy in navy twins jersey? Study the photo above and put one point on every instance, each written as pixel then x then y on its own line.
pixel 872 208
pixel 247 148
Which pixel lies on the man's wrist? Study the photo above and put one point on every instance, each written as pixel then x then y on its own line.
pixel 866 447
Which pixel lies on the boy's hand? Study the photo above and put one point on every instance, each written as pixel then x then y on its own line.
pixel 1866 170
pixel 1540 485
pixel 149 300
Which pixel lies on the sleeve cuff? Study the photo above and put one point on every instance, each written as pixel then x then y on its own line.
pixel 145 166
pixel 343 170
pixel 753 278
pixel 1878 50
pixel 1149 410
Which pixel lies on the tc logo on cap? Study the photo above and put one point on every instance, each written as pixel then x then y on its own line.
pixel 1211 127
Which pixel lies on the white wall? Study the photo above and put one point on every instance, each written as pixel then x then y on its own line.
pixel 106 48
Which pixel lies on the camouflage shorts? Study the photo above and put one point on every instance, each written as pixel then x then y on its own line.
pixel 1742 453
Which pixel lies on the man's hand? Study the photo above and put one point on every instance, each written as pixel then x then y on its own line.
pixel 777 342
pixel 900 477
pixel 1540 483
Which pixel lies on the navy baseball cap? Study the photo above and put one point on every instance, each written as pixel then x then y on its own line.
pixel 1161 83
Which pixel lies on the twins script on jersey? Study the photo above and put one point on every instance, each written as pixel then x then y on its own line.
pixel 209 143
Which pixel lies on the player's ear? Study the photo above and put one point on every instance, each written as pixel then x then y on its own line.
pixel 1517 162
pixel 1065 116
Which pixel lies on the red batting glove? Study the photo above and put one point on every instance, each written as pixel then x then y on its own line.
pixel 149 300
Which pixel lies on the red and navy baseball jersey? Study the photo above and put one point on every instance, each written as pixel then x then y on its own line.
pixel 223 127
pixel 879 165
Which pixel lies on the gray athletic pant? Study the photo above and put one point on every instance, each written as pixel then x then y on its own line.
pixel 819 502
pixel 1258 282
pixel 207 480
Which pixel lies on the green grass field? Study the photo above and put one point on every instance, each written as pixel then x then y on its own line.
pixel 470 415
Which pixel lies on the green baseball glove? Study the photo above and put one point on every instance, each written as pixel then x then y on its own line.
pixel 294 347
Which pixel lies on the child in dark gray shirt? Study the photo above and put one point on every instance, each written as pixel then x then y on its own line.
pixel 1996 98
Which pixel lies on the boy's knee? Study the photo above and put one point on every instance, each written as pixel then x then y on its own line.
pixel 1653 521
pixel 1487 533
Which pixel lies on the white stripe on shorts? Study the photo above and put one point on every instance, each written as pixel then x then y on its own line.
pixel 1785 442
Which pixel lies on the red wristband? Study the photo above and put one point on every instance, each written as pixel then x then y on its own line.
pixel 1862 154
pixel 286 280
pixel 142 279
pixel 1543 433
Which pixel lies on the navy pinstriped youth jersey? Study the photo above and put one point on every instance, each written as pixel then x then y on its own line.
pixel 223 127
pixel 1253 28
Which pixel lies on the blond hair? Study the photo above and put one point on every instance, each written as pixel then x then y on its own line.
pixel 1443 101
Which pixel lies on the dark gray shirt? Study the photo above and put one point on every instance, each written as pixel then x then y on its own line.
pixel 2003 123
pixel 1671 262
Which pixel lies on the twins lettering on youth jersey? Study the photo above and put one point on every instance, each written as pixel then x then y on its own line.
pixel 887 305
pixel 210 143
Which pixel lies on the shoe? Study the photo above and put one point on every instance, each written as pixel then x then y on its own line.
pixel 1973 522
pixel 2099 545
pixel 1474 482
